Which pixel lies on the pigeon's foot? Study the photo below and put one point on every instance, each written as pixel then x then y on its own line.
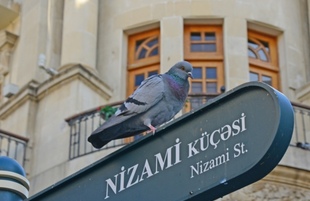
pixel 153 129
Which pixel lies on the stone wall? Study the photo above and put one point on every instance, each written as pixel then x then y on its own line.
pixel 282 184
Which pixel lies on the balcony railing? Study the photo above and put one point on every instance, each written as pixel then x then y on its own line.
pixel 13 146
pixel 81 125
pixel 301 136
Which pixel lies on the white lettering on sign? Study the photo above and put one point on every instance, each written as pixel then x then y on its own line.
pixel 224 133
pixel 216 136
pixel 202 167
pixel 130 176
pixel 239 149
pixel 136 173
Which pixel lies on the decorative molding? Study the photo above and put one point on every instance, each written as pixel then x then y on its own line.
pixel 289 176
pixel 9 11
pixel 34 91
pixel 7 42
pixel 303 93
pixel 71 73
pixel 283 183
pixel 7 38
pixel 264 28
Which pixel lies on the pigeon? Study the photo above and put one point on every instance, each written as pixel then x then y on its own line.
pixel 157 100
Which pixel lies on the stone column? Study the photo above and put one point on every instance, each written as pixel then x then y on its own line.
pixel 236 64
pixel 171 41
pixel 79 40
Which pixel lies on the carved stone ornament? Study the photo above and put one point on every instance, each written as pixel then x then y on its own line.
pixel 7 41
pixel 7 38
pixel 4 62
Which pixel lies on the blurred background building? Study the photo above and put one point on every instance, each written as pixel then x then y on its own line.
pixel 64 63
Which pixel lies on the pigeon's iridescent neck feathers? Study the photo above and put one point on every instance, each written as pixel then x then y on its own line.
pixel 178 86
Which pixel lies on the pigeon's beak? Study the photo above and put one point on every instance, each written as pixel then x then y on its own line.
pixel 190 75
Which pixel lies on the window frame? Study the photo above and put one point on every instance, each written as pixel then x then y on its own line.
pixel 219 80
pixel 204 59
pixel 141 70
pixel 132 39
pixel 272 41
pixel 265 68
pixel 217 55
pixel 134 65
pixel 260 71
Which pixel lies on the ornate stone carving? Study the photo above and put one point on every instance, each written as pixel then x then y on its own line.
pixel 7 41
pixel 263 190
pixel 7 38
pixel 4 62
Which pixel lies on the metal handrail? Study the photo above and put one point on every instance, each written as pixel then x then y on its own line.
pixel 301 135
pixel 82 124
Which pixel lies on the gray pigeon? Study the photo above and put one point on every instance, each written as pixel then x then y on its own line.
pixel 157 100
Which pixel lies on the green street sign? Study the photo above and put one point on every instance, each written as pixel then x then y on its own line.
pixel 232 141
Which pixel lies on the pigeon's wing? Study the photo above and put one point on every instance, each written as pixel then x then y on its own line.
pixel 150 92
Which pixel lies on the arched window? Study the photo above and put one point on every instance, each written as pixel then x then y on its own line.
pixel 143 57
pixel 263 60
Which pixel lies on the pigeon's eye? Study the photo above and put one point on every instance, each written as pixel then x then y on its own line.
pixel 182 68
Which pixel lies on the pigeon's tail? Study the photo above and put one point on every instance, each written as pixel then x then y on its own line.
pixel 114 130
pixel 103 135
pixel 106 132
pixel 96 141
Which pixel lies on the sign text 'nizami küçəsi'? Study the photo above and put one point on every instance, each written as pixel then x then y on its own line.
pixel 129 176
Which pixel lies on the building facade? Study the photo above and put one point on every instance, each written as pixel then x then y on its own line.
pixel 62 61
